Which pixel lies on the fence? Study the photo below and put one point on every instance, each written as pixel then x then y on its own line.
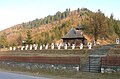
pixel 110 64
pixel 110 61
pixel 40 62
pixel 42 59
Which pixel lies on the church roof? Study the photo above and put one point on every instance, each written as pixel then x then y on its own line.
pixel 72 34
pixel 80 28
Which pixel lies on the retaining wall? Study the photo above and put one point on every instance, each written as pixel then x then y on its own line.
pixel 39 62
pixel 110 64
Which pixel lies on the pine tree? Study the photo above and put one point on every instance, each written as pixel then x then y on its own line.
pixel 28 38
pixel 3 40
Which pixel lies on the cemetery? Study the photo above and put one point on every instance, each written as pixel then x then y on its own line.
pixel 75 53
pixel 60 57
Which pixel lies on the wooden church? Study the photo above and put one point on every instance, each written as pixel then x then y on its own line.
pixel 75 36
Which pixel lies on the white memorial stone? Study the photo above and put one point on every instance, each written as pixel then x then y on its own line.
pixel 52 46
pixel 90 46
pixel 40 47
pixel 73 46
pixel 35 48
pixel 22 47
pixel 30 47
pixel 26 47
pixel 65 47
pixel 81 46
pixel 34 45
pixel 59 46
pixel 10 48
pixel 46 47
pixel 117 40
pixel 14 48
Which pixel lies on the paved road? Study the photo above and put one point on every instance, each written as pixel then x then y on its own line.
pixel 8 75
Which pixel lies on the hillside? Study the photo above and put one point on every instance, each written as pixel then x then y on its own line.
pixel 53 27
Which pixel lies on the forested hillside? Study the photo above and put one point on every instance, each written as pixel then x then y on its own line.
pixel 53 27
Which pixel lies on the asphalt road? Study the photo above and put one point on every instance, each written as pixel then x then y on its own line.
pixel 8 75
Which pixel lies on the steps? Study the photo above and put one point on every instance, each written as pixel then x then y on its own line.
pixel 93 63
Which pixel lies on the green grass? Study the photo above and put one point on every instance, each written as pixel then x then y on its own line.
pixel 65 74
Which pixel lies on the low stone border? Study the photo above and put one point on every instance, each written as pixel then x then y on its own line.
pixel 38 66
pixel 110 69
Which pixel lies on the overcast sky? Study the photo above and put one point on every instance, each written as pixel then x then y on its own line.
pixel 14 12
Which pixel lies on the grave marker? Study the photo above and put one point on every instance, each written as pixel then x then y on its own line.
pixel 30 47
pixel 14 48
pixel 35 48
pixel 10 48
pixel 81 46
pixel 117 41
pixel 22 47
pixel 52 46
pixel 65 47
pixel 46 47
pixel 26 47
pixel 59 47
pixel 73 46
pixel 40 47
pixel 89 45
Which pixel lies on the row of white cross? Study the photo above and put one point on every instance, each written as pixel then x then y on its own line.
pixel 35 47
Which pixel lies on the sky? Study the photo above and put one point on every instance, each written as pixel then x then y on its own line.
pixel 13 12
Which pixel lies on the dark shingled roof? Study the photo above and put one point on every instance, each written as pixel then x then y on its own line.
pixel 80 28
pixel 72 34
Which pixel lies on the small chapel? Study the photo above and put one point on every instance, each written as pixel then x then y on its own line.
pixel 75 36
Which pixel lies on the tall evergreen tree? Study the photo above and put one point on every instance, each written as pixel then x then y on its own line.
pixel 117 28
pixel 28 38
pixel 3 40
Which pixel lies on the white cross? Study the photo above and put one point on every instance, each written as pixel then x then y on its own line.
pixel 52 46
pixel 46 47
pixel 10 48
pixel 40 47
pixel 14 48
pixel 73 46
pixel 81 46
pixel 22 47
pixel 65 46
pixel 30 47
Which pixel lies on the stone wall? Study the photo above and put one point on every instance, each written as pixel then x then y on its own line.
pixel 110 69
pixel 37 66
pixel 110 64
